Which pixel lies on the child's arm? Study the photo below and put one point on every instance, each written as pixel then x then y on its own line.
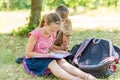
pixel 62 47
pixel 53 49
pixel 29 49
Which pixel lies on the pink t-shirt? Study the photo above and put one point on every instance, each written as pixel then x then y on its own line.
pixel 42 43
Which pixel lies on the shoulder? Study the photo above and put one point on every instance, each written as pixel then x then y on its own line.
pixel 35 33
pixel 67 27
pixel 54 36
pixel 68 21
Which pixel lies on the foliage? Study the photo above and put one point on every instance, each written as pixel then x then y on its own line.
pixel 110 2
pixel 20 4
pixel 23 31
pixel 34 19
pixel 12 47
pixel 15 4
pixel 35 15
pixel 51 4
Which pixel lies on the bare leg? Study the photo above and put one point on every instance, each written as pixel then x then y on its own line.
pixel 59 72
pixel 74 71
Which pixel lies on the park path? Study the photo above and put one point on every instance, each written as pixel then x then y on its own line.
pixel 11 20
pixel 93 22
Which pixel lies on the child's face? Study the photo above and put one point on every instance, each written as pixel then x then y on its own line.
pixel 63 19
pixel 53 28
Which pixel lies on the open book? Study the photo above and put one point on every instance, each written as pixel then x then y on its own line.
pixel 57 55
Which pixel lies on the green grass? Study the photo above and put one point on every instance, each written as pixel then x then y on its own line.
pixel 13 47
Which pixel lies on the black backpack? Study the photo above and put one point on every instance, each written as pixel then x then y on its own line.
pixel 95 56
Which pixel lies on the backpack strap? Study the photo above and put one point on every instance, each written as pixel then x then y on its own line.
pixel 95 41
pixel 113 57
pixel 83 46
pixel 113 52
pixel 81 49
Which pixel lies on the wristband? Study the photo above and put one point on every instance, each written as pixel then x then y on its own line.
pixel 48 50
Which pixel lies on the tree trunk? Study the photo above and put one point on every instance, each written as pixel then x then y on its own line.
pixel 75 10
pixel 116 3
pixel 8 5
pixel 36 7
pixel 109 3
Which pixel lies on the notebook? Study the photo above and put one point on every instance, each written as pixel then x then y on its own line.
pixel 57 56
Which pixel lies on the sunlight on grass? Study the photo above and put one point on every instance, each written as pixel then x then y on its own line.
pixel 84 26
pixel 14 47
pixel 101 28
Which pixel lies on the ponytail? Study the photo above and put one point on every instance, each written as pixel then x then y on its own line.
pixel 42 21
pixel 50 18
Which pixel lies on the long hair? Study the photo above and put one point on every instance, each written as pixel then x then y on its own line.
pixel 50 18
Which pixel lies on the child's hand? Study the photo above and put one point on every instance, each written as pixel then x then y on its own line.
pixel 51 54
pixel 64 47
pixel 61 52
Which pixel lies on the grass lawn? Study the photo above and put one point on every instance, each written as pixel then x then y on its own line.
pixel 12 47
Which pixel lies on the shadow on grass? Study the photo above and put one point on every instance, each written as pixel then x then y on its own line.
pixel 12 47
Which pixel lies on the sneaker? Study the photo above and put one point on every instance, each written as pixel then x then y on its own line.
pixel 19 60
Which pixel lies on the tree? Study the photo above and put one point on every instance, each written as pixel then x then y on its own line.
pixel 8 5
pixel 36 7
pixel 72 3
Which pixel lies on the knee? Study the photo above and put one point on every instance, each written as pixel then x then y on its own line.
pixel 62 61
pixel 52 63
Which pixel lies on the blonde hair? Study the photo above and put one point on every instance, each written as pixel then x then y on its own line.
pixel 50 18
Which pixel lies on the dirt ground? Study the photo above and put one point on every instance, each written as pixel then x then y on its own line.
pixel 13 20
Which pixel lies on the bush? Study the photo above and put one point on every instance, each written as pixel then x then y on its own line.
pixel 14 4
pixel 23 31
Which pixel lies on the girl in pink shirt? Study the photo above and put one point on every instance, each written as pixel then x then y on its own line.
pixel 39 44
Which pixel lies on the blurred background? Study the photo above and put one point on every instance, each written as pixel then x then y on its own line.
pixel 85 14
pixel 90 18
